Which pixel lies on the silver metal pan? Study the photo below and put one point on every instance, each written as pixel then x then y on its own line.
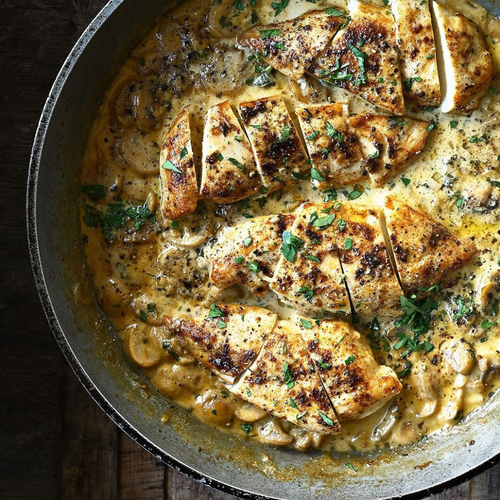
pixel 238 467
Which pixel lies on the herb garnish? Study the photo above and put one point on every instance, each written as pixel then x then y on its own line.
pixel 168 165
pixel 279 6
pixel 290 246
pixel 288 376
pixel 215 312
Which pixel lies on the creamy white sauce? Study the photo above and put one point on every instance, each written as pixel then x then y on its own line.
pixel 139 276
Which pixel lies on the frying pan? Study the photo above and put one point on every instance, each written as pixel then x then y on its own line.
pixel 238 466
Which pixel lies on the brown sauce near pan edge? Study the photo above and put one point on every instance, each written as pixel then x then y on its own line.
pixel 149 266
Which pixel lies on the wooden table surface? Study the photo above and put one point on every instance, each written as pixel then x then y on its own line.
pixel 54 440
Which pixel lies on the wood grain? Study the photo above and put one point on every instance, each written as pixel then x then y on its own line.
pixel 54 441
pixel 140 475
pixel 89 446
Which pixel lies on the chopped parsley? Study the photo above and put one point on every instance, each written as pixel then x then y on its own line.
pixel 247 428
pixel 409 82
pixel 288 376
pixel 278 7
pixel 184 152
pixel 293 404
pixel 348 464
pixel 95 191
pixel 312 136
pixel 335 12
pixel 290 246
pixel 453 124
pixel 237 164
pixel 328 421
pixel 316 175
pixel 321 223
pixel 267 33
pixel 307 291
pixel 333 133
pixel 305 323
pixel 238 259
pixel 247 241
pixel 221 324
pixel 348 243
pixel 215 312
pixel 253 266
pixel 285 133
pixel 354 194
pixel 405 181
pixel 361 58
pixel 312 257
pixel 168 165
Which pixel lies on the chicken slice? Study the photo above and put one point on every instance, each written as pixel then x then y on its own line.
pixel 355 383
pixel 418 52
pixel 281 382
pixel 310 279
pixel 291 46
pixel 366 263
pixel 466 66
pixel 228 340
pixel 425 251
pixel 179 189
pixel 364 58
pixel 277 147
pixel 249 252
pixel 389 143
pixel 334 149
pixel 229 171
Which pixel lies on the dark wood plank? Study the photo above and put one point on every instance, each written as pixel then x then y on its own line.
pixel 180 487
pixel 141 475
pixel 487 485
pixel 89 447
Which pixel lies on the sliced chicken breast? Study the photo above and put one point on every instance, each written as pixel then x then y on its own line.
pixel 229 172
pixel 366 263
pixel 389 143
pixel 249 252
pixel 228 339
pixel 291 46
pixel 418 60
pixel 334 149
pixel 281 382
pixel 425 251
pixel 363 58
pixel 179 189
pixel 308 275
pixel 466 66
pixel 355 383
pixel 278 150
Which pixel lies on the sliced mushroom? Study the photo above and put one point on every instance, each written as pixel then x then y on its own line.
pixel 460 355
pixel 272 433
pixel 140 347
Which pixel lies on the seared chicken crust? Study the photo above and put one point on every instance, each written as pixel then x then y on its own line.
pixel 313 282
pixel 228 342
pixel 418 60
pixel 366 262
pixel 466 63
pixel 278 150
pixel 281 382
pixel 291 46
pixel 364 58
pixel 333 147
pixel 229 172
pixel 179 189
pixel 249 252
pixel 426 252
pixel 355 383
pixel 389 143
